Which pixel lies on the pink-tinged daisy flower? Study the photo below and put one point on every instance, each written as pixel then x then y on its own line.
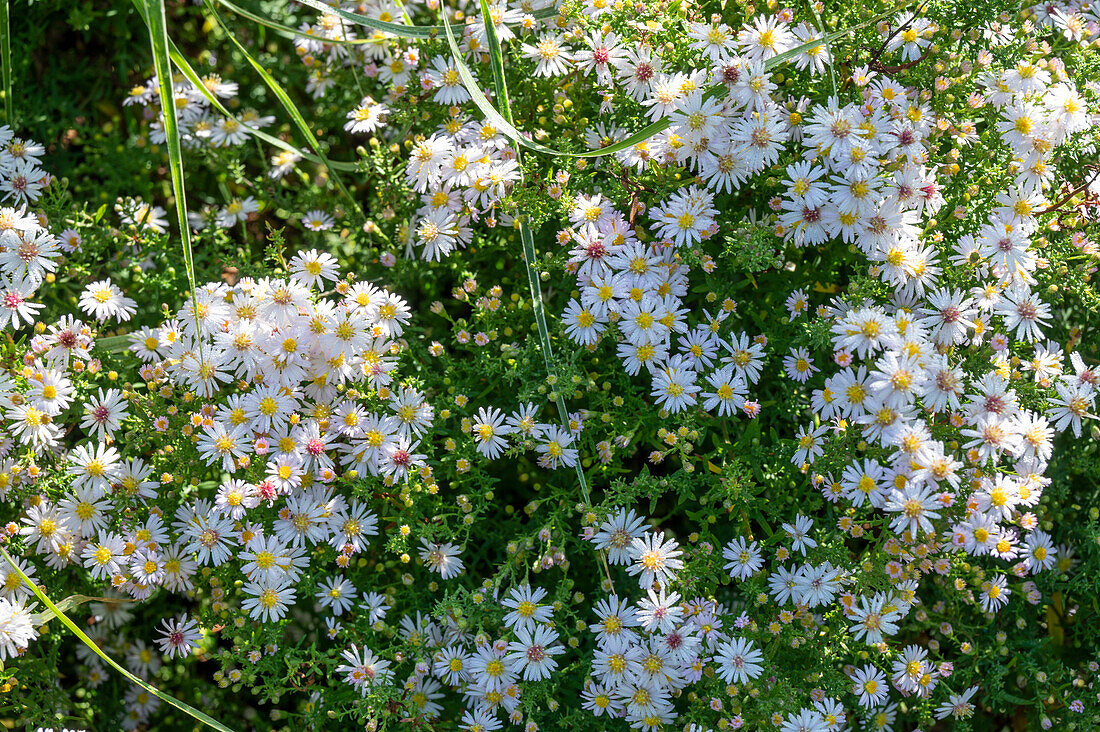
pixel 179 637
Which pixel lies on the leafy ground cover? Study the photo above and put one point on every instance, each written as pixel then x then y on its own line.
pixel 593 365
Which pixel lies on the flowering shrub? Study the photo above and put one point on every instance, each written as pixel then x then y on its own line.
pixel 598 366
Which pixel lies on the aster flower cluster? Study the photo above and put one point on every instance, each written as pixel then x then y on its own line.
pixel 21 177
pixel 637 288
pixel 292 388
pixel 911 396
pixel 200 124
pixel 462 172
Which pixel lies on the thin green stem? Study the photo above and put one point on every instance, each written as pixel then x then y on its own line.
pixel 530 255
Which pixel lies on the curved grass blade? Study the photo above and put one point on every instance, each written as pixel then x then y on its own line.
pixel 5 58
pixel 192 76
pixel 288 105
pixel 490 112
pixel 60 615
pixel 496 61
pixel 482 102
pixel 530 257
pixel 75 601
pixel 189 72
pixel 158 39
pixel 286 29
pixel 397 29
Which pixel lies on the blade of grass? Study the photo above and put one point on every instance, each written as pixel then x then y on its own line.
pixel 75 601
pixel 482 102
pixel 192 76
pixel 509 129
pixel 286 29
pixel 496 61
pixel 397 29
pixel 530 254
pixel 288 105
pixel 60 615
pixel 5 53
pixel 158 40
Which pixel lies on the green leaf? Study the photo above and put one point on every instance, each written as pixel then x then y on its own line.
pixel 191 75
pixel 114 344
pixel 288 30
pixel 58 613
pixel 490 112
pixel 509 129
pixel 496 60
pixel 75 601
pixel 397 29
pixel 158 39
pixel 288 104
pixel 530 256
pixel 482 102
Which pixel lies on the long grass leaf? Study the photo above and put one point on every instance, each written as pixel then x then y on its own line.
pixel 288 104
pixel 75 601
pixel 482 102
pixel 394 29
pixel 496 61
pixel 288 30
pixel 192 76
pixel 80 634
pixel 5 58
pixel 509 129
pixel 397 29
pixel 158 40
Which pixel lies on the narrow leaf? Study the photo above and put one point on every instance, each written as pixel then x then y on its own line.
pixel 397 29
pixel 158 39
pixel 482 102
pixel 494 117
pixel 496 59
pixel 530 255
pixel 60 615
pixel 288 30
pixel 192 76
pixel 289 105
pixel 75 601
pixel 490 112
